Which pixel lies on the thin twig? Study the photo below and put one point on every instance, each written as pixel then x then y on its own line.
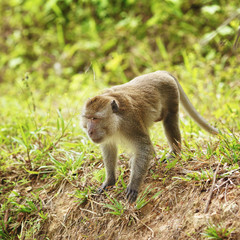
pixel 235 46
pixel 225 195
pixel 82 209
pixel 134 215
pixel 28 161
pixel 218 187
pixel 204 41
pixel 211 191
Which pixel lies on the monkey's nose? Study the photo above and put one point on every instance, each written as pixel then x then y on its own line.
pixel 90 132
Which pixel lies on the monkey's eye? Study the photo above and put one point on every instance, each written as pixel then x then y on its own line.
pixel 89 117
pixel 95 119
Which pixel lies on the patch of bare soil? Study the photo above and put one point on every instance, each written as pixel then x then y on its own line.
pixel 177 213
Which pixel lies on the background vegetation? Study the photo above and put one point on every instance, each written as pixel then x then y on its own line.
pixel 57 53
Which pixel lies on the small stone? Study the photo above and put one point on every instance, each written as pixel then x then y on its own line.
pixel 216 217
pixel 231 208
pixel 199 220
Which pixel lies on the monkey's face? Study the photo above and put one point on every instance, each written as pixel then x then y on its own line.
pixel 95 128
pixel 99 118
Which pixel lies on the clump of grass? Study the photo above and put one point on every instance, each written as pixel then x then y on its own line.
pixel 217 232
pixel 21 211
pixel 229 148
pixel 143 199
pixel 82 195
pixel 198 176
pixel 116 208
pixel 67 167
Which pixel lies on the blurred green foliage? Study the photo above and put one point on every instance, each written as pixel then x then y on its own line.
pixel 56 53
pixel 57 40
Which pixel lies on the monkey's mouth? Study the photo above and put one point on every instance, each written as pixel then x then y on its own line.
pixel 97 140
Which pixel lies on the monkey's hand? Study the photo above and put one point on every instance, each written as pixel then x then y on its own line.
pixel 131 194
pixel 105 186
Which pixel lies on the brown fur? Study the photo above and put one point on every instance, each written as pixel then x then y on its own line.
pixel 127 111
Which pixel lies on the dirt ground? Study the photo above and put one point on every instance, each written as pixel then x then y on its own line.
pixel 177 213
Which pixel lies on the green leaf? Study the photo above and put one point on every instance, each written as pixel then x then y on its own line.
pixel 226 30
pixel 210 9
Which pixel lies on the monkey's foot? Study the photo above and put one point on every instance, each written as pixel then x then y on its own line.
pixel 131 195
pixel 104 187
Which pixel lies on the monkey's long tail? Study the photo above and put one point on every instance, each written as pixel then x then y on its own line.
pixel 193 112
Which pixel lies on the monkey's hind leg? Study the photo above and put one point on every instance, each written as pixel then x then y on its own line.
pixel 172 132
pixel 109 151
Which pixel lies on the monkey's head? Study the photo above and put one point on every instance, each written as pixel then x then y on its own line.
pixel 99 118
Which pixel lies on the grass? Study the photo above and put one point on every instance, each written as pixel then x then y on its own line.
pixel 44 152
pixel 52 60
pixel 217 232
pixel 50 171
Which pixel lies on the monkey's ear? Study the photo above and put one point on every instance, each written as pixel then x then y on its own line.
pixel 114 106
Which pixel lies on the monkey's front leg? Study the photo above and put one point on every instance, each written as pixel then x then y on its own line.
pixel 109 151
pixel 139 167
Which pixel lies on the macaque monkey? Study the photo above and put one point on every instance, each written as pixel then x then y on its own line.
pixel 126 112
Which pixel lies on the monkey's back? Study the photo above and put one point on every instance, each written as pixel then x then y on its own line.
pixel 149 96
